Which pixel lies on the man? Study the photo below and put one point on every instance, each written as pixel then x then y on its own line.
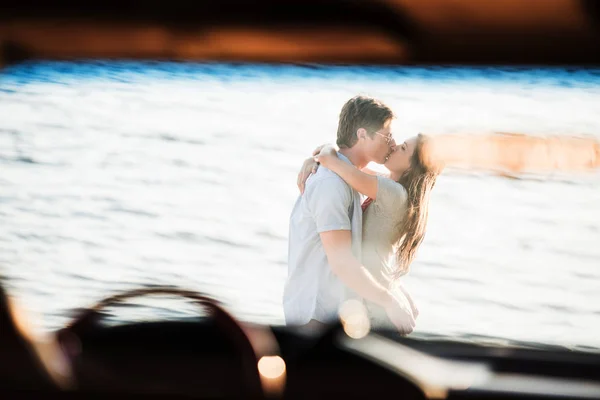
pixel 326 228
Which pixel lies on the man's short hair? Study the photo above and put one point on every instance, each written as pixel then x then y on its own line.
pixel 361 112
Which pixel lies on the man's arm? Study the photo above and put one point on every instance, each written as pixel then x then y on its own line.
pixel 328 200
pixel 338 248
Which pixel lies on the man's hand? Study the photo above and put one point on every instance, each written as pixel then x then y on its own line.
pixel 400 315
pixel 411 302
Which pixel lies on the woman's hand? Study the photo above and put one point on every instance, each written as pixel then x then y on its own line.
pixel 326 154
pixel 319 148
pixel 308 167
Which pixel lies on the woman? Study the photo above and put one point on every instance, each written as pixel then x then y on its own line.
pixel 395 212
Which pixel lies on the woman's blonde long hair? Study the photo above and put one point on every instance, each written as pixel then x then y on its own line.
pixel 418 181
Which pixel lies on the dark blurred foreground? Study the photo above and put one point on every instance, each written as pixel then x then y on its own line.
pixel 219 357
pixel 333 31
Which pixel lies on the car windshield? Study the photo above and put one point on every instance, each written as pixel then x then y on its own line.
pixel 119 175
